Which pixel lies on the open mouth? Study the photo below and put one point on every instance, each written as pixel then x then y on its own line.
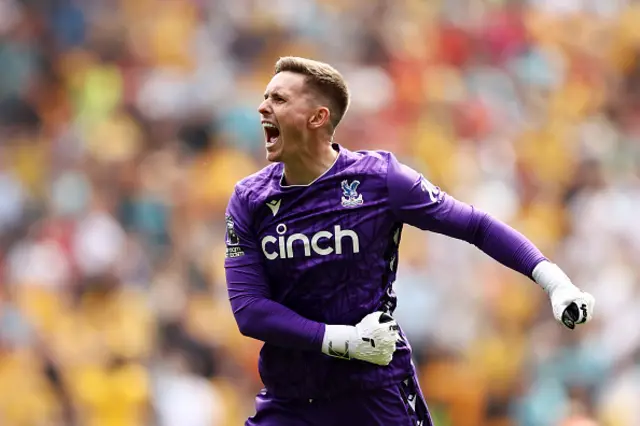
pixel 271 132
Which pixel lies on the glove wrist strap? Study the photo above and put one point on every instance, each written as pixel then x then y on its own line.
pixel 550 277
pixel 336 339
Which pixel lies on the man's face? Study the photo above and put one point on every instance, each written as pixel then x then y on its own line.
pixel 285 114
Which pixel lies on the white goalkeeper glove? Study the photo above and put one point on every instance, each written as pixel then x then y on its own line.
pixel 571 306
pixel 372 340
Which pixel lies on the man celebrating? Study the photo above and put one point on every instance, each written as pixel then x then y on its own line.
pixel 312 254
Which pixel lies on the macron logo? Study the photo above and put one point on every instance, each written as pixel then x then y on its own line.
pixel 274 205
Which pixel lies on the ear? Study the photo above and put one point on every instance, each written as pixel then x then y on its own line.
pixel 319 118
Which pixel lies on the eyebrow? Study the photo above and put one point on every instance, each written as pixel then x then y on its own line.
pixel 274 93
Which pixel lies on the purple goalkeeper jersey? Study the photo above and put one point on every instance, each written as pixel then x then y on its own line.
pixel 302 256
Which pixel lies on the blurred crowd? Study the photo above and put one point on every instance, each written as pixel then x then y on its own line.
pixel 125 124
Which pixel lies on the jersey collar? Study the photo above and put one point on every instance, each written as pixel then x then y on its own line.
pixel 331 170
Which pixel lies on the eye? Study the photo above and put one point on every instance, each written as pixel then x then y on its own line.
pixel 278 99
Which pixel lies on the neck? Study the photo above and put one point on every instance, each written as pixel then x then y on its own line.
pixel 310 165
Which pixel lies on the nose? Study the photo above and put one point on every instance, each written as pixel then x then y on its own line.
pixel 263 108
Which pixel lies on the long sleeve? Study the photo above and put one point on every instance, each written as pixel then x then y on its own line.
pixel 417 202
pixel 256 314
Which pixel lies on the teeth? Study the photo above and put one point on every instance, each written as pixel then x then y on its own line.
pixel 269 125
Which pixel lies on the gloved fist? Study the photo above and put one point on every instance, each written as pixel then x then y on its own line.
pixel 571 306
pixel 372 340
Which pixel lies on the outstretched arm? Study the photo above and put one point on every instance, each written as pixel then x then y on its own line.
pixel 416 201
pixel 419 203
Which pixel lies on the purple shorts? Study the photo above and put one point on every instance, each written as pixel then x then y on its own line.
pixel 399 405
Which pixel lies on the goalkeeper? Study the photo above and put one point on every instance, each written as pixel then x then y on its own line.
pixel 312 253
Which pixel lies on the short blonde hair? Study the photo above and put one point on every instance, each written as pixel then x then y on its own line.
pixel 324 79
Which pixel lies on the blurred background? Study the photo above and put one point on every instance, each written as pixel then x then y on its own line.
pixel 125 124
